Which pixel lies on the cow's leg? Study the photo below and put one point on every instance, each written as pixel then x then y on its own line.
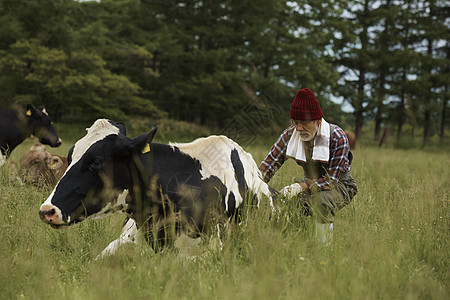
pixel 130 234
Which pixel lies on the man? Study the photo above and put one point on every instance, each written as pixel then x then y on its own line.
pixel 322 149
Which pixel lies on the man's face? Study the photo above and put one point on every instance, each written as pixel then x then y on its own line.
pixel 306 128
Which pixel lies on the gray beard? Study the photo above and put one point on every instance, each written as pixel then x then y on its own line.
pixel 307 139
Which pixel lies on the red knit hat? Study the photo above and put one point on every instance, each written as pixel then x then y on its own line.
pixel 305 106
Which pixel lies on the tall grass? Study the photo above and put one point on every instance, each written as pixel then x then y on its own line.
pixel 391 242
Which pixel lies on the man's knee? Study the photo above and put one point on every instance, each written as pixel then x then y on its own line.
pixel 323 204
pixel 319 205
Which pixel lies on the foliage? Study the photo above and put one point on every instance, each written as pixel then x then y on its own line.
pixel 68 85
pixel 196 61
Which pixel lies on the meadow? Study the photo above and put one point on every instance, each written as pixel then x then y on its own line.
pixel 391 242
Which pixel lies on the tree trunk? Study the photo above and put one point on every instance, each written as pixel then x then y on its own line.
pixel 401 108
pixel 444 103
pixel 427 126
pixel 359 117
pixel 359 120
pixel 443 116
pixel 383 71
pixel 379 115
pixel 427 115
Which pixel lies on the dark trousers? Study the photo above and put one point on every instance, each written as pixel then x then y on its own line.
pixel 324 204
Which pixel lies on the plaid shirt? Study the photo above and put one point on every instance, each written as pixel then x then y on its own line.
pixel 337 163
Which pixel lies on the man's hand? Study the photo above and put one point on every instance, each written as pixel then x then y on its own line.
pixel 304 186
pixel 293 190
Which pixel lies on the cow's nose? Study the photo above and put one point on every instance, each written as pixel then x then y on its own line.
pixel 51 214
pixel 59 142
pixel 47 214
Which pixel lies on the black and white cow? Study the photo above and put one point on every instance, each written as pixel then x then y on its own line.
pixel 16 126
pixel 195 183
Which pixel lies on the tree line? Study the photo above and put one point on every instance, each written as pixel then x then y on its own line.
pixel 204 61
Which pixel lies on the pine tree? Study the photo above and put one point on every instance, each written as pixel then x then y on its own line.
pixel 353 56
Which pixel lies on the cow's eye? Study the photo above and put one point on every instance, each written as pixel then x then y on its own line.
pixel 96 165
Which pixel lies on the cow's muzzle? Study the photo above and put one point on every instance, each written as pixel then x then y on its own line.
pixel 52 215
pixel 50 140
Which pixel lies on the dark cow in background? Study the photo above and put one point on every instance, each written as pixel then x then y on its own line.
pixel 40 167
pixel 16 126
pixel 351 139
pixel 195 184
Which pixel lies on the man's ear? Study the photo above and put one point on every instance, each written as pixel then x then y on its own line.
pixel 142 143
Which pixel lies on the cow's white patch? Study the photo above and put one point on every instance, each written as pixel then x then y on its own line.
pixel 119 205
pixel 98 131
pixel 2 159
pixel 130 234
pixel 214 155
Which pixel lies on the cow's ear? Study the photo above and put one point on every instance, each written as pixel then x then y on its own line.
pixel 55 162
pixel 122 128
pixel 31 110
pixel 142 142
pixel 43 110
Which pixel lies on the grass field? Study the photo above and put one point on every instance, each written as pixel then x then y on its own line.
pixel 391 242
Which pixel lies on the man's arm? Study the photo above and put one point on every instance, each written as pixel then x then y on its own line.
pixel 277 155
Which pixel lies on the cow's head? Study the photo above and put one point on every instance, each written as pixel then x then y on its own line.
pixel 98 172
pixel 40 125
pixel 40 167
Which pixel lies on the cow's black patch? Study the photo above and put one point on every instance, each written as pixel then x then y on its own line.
pixel 69 155
pixel 231 204
pixel 239 172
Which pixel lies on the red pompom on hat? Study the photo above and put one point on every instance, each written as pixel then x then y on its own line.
pixel 305 106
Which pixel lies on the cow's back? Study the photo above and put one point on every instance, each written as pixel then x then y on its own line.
pixel 222 155
pixel 196 175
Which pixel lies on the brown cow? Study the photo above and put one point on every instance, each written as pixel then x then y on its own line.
pixel 40 167
pixel 351 139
